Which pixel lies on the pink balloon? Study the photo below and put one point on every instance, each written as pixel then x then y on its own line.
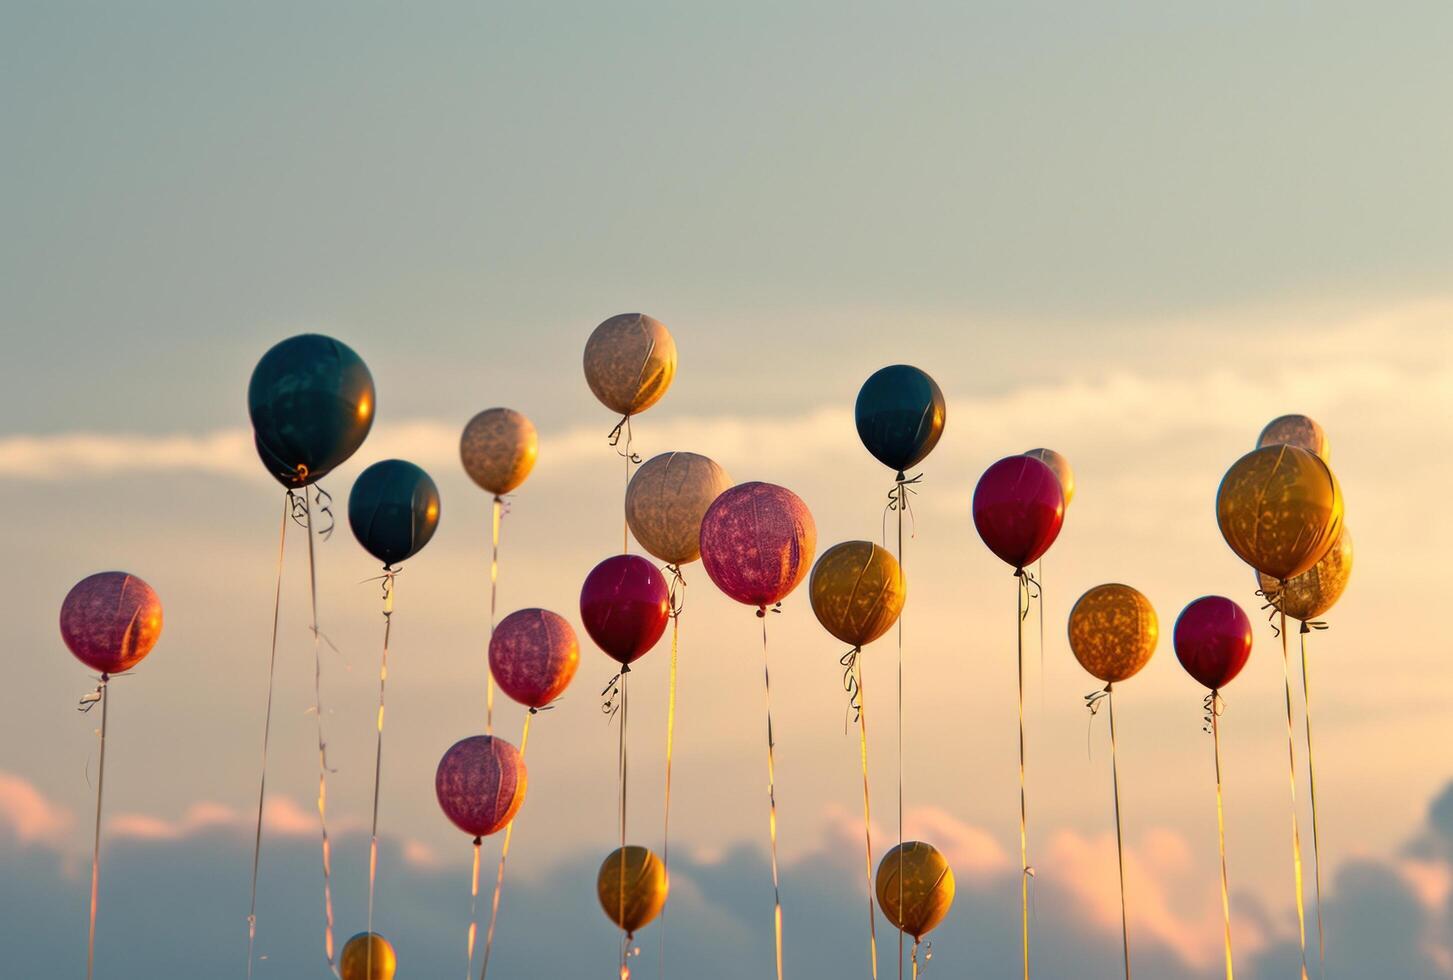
pixel 625 606
pixel 533 656
pixel 110 621
pixel 757 541
pixel 481 784
pixel 1213 640
pixel 1019 507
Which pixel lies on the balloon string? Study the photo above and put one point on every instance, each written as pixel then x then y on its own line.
pixel 1119 838
pixel 670 740
pixel 1213 711
pixel 1292 770
pixel 623 428
pixel 267 731
pixel 623 770
pixel 322 743
pixel 902 505
pixel 772 795
pixel 388 612
pixel 1312 784
pixel 504 853
pixel 495 514
pixel 1021 605
pixel 473 909
pixel 96 846
pixel 915 959
pixel 867 819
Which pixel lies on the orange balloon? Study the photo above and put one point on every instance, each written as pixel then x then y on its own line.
pixel 1295 430
pixel 630 360
pixel 498 449
pixel 927 890
pixel 1280 509
pixel 857 591
pixel 1113 632
pixel 367 956
pixel 632 887
pixel 1318 588
pixel 666 500
pixel 1061 467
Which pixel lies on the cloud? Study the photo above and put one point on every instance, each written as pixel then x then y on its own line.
pixel 28 815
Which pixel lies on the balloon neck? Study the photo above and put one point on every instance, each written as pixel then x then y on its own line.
pixel 105 678
pixel 761 612
pixel 625 669
pixel 1305 628
pixel 478 841
pixel 901 477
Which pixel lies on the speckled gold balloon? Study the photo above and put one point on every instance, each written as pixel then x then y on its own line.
pixel 630 360
pixel 666 501
pixel 857 591
pixel 927 892
pixel 1295 430
pixel 1113 632
pixel 1318 588
pixel 643 895
pixel 1280 509
pixel 1061 467
pixel 498 449
pixel 355 964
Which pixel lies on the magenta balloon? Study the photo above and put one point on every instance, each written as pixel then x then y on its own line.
pixel 110 621
pixel 480 783
pixel 624 605
pixel 1213 640
pixel 1019 507
pixel 757 541
pixel 533 655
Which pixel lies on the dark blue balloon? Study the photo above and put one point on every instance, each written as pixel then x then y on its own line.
pixel 312 403
pixel 900 415
pixel 393 509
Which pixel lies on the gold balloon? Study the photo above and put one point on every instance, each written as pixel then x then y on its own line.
pixel 1295 430
pixel 1061 467
pixel 640 899
pixel 498 449
pixel 354 963
pixel 666 500
pixel 1113 632
pixel 1280 509
pixel 630 360
pixel 927 891
pixel 1318 588
pixel 857 591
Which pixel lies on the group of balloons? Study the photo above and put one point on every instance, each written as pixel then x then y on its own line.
pixel 312 403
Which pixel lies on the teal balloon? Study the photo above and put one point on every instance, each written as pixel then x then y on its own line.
pixel 900 415
pixel 393 509
pixel 311 401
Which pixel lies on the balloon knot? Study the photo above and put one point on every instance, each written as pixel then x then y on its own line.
pixel 761 612
pixel 901 477
pixel 478 841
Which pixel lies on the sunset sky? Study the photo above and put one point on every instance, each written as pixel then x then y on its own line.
pixel 1132 232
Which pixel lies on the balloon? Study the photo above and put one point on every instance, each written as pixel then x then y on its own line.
pixel 498 449
pixel 1113 632
pixel 1061 467
pixel 624 605
pixel 1280 509
pixel 900 414
pixel 480 784
pixel 311 402
pixel 393 509
pixel 630 360
pixel 356 958
pixel 666 500
pixel 1316 590
pixel 1212 639
pixel 757 541
pixel 110 621
pixel 643 895
pixel 1018 509
pixel 857 591
pixel 533 655
pixel 1295 430
pixel 927 891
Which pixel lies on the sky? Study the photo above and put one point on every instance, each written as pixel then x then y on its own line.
pixel 1133 233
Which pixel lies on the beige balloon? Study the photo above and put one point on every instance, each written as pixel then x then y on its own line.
pixel 1295 430
pixel 630 360
pixel 666 500
pixel 1316 590
pixel 498 449
pixel 1061 467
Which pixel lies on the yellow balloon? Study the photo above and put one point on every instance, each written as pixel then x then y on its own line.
pixel 1318 588
pixel 1113 632
pixel 354 963
pixel 630 360
pixel 1061 467
pixel 927 892
pixel 498 449
pixel 1295 430
pixel 666 500
pixel 1280 509
pixel 632 887
pixel 857 591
